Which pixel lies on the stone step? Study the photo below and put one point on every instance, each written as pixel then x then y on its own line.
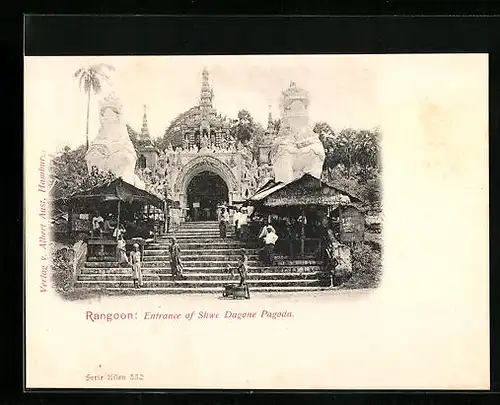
pixel 193 231
pixel 197 283
pixel 208 244
pixel 111 268
pixel 188 255
pixel 198 238
pixel 206 263
pixel 234 257
pixel 105 259
pixel 197 232
pixel 209 290
pixel 231 263
pixel 199 223
pixel 211 224
pixel 200 276
pixel 203 252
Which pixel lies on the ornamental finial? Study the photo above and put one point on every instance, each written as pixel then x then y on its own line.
pixel 291 95
pixel 145 129
pixel 111 101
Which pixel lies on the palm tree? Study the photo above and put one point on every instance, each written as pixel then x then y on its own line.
pixel 90 80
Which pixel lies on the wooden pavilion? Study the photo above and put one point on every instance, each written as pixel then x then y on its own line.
pixel 314 203
pixel 126 202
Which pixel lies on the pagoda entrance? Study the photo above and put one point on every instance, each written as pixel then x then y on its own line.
pixel 205 191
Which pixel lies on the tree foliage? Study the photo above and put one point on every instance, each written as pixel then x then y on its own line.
pixel 352 160
pixel 89 79
pixel 367 151
pixel 173 134
pixel 69 173
pixel 353 150
pixel 243 128
pixel 133 136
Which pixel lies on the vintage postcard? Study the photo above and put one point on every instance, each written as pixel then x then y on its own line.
pixel 257 222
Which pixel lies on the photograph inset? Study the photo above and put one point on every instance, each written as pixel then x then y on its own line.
pixel 213 203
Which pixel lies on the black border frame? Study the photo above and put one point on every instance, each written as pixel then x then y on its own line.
pixel 320 34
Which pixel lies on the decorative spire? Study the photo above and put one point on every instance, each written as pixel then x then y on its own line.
pixel 145 129
pixel 206 93
pixel 270 120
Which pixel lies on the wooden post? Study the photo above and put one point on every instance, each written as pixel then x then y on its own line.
pixel 165 216
pixel 70 221
pixel 117 228
pixel 302 234
pixel 118 219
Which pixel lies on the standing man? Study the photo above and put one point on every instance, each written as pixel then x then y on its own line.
pixel 223 221
pixel 243 223
pixel 263 231
pixel 270 241
pixel 135 261
pixel 121 251
pixel 242 270
pixel 236 223
pixel 175 260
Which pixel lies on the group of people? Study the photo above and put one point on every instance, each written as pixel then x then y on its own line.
pixel 106 228
pixel 267 234
pixel 135 260
pixel 240 222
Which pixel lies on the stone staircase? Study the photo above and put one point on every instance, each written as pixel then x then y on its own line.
pixel 206 257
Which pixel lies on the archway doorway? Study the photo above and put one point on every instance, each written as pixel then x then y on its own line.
pixel 205 191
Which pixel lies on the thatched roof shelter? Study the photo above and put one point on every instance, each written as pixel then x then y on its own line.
pixel 306 190
pixel 116 190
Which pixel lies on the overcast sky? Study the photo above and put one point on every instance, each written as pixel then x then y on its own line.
pixel 360 91
pixel 341 88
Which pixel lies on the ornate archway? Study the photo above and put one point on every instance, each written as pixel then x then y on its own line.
pixel 205 163
pixel 204 193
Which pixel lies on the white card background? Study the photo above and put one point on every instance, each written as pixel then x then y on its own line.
pixel 426 326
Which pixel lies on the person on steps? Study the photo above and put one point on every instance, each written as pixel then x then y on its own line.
pixel 236 223
pixel 243 223
pixel 269 240
pixel 223 221
pixel 242 270
pixel 122 252
pixel 175 260
pixel 263 230
pixel 135 261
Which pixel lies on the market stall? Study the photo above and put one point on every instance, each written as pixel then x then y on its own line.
pixel 118 208
pixel 300 209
